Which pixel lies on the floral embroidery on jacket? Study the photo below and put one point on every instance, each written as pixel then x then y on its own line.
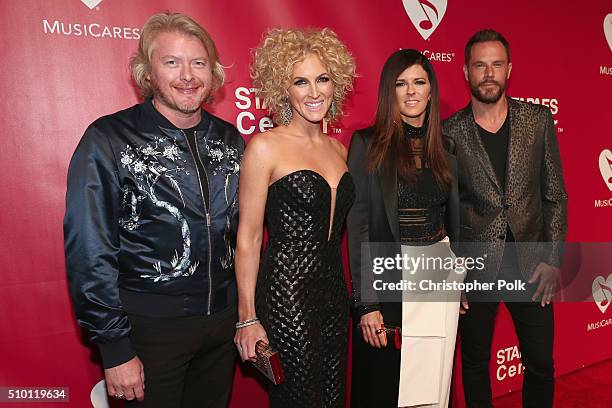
pixel 143 163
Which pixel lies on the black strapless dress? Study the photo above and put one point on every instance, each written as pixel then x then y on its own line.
pixel 302 295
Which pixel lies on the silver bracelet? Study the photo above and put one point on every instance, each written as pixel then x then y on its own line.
pixel 246 323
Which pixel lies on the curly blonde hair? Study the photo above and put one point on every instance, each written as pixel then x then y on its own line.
pixel 140 63
pixel 281 49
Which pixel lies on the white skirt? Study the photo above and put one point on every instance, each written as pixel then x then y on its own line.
pixel 429 330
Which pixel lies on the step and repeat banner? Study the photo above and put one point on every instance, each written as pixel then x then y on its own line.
pixel 65 63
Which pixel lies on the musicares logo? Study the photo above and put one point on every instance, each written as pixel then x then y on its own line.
pixel 605 167
pixel 602 292
pixel 91 3
pixel 98 395
pixel 607 25
pixel 425 15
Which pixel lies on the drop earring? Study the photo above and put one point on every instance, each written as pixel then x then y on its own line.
pixel 285 114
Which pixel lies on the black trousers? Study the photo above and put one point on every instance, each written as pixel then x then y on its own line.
pixel 534 327
pixel 376 372
pixel 188 361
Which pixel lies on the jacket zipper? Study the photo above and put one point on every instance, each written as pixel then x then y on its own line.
pixel 195 159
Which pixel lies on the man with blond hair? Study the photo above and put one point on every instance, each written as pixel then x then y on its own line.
pixel 150 225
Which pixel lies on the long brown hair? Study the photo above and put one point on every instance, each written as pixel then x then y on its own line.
pixel 388 129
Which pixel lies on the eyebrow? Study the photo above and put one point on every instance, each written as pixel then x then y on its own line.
pixel 177 57
pixel 318 76
pixel 482 62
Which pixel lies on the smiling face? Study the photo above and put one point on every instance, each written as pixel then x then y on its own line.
pixel 488 71
pixel 413 91
pixel 311 90
pixel 181 74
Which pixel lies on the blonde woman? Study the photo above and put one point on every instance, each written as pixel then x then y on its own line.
pixel 295 178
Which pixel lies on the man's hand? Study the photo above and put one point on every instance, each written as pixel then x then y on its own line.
pixel 371 325
pixel 548 276
pixel 126 380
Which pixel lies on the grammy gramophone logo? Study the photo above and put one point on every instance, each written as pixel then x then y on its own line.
pixel 91 3
pixel 425 15
pixel 607 26
pixel 605 167
pixel 602 292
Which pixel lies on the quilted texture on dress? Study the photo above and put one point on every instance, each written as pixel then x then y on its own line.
pixel 302 294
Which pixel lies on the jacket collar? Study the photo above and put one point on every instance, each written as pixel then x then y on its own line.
pixel 388 184
pixel 478 147
pixel 152 119
pixel 514 143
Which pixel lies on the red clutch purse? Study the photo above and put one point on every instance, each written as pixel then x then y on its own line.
pixel 268 362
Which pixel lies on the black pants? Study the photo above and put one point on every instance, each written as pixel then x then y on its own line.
pixel 535 331
pixel 188 361
pixel 376 372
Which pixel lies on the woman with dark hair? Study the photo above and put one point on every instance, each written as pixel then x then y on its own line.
pixel 406 196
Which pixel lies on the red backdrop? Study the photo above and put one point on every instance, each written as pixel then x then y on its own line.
pixel 65 64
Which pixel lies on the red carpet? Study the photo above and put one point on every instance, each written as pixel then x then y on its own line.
pixel 590 387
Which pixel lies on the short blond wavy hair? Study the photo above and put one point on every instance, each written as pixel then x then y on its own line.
pixel 140 63
pixel 281 49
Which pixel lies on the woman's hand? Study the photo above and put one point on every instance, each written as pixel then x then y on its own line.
pixel 246 338
pixel 372 326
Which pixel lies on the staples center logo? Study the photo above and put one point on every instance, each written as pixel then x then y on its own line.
pixel 602 292
pixel 249 104
pixel 551 103
pixel 91 3
pixel 605 167
pixel 425 15
pixel 509 363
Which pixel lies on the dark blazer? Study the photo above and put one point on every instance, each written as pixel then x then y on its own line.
pixel 374 218
pixel 533 202
pixel 374 215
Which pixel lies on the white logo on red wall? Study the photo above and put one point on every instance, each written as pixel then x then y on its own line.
pixel 509 363
pixel 602 292
pixel 437 56
pixel 246 121
pixel 254 117
pixel 89 29
pixel 98 395
pixel 605 167
pixel 91 3
pixel 425 15
pixel 551 103
pixel 607 26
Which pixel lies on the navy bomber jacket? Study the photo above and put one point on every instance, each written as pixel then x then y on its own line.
pixel 145 232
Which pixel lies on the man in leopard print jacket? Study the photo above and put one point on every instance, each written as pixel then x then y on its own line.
pixel 512 196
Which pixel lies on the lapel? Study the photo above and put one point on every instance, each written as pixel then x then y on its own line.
pixel 388 184
pixel 513 145
pixel 477 147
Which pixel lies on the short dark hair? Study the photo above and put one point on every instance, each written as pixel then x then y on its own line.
pixel 482 36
